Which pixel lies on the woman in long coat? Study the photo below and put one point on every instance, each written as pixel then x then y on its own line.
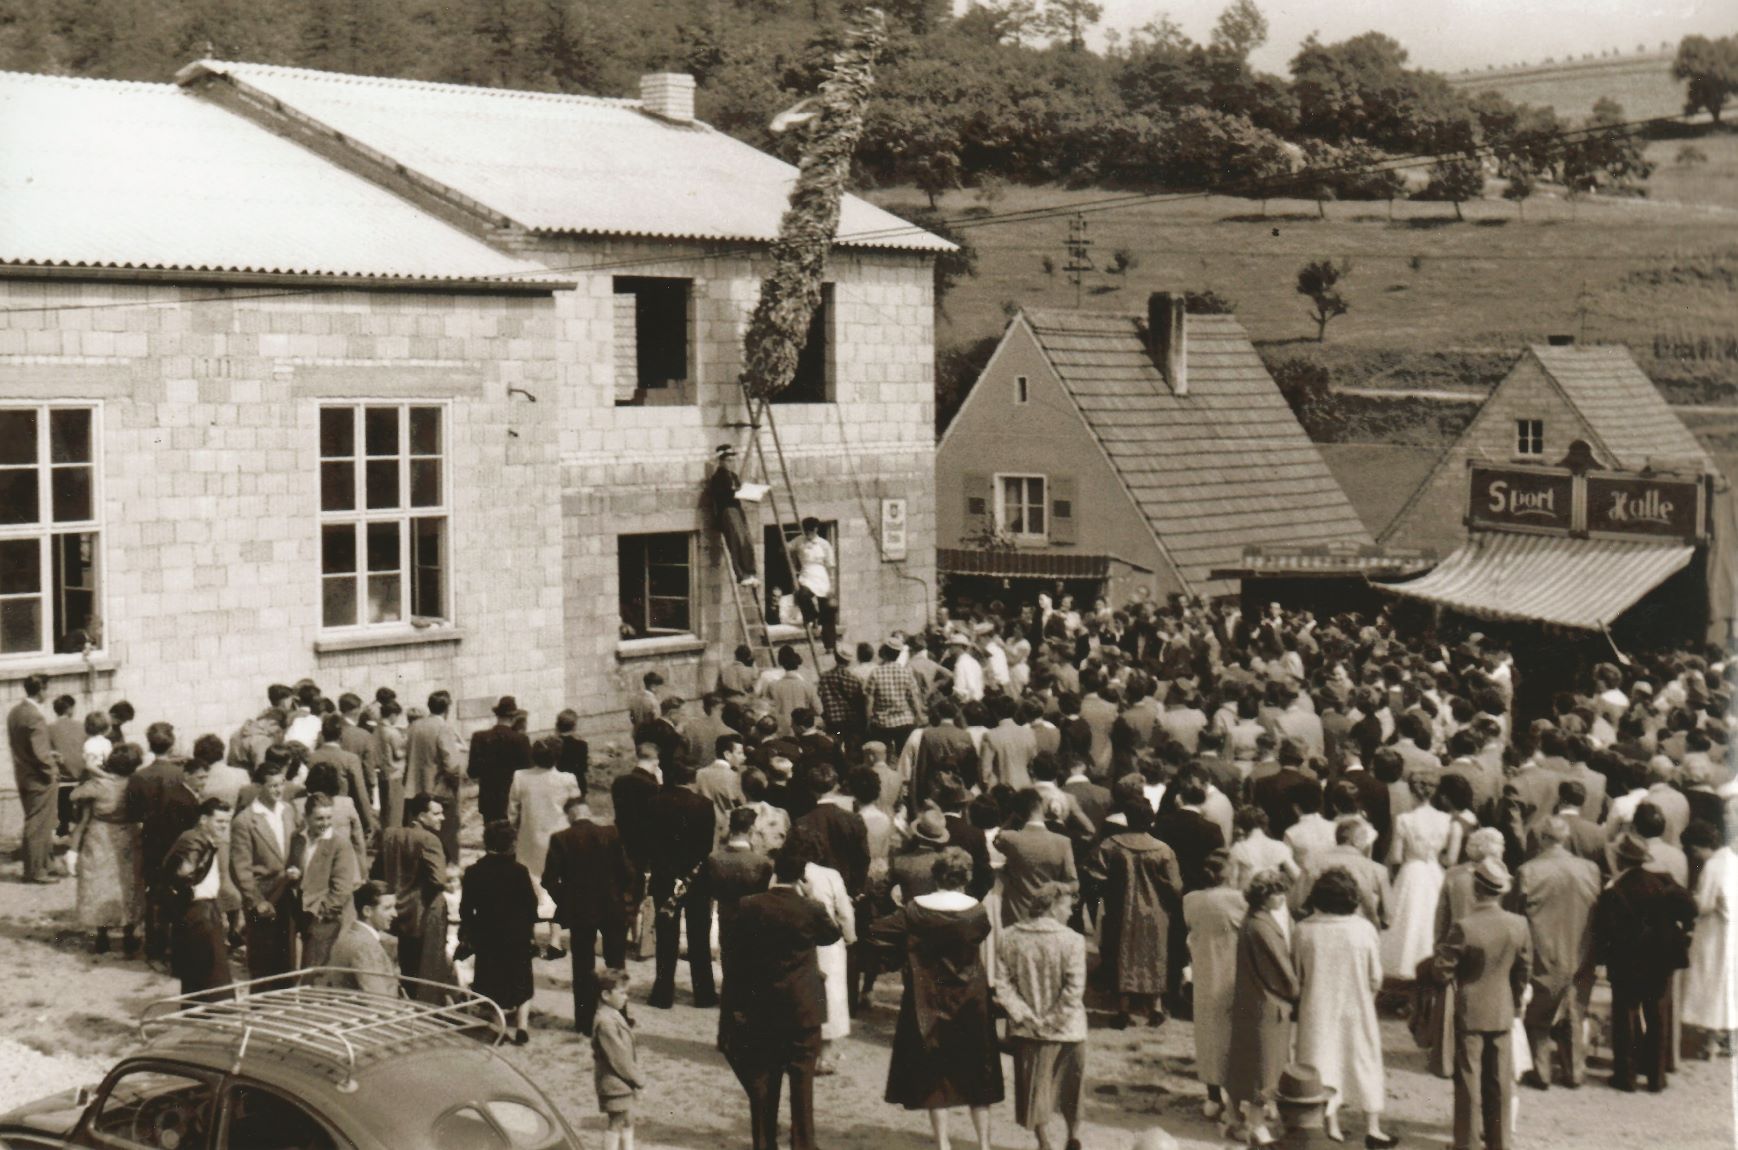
pixel 1141 887
pixel 1339 970
pixel 1214 916
pixel 111 893
pixel 944 1045
pixel 1261 1004
pixel 497 916
pixel 1040 983
pixel 1711 984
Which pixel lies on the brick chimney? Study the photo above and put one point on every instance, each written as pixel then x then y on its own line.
pixel 1167 339
pixel 668 96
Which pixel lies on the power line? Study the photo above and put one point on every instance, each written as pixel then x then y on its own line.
pixel 1262 187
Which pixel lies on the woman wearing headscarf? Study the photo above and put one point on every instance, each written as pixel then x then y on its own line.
pixel 1040 984
pixel 497 916
pixel 944 1046
pixel 1262 1000
pixel 111 889
pixel 1214 916
pixel 1339 970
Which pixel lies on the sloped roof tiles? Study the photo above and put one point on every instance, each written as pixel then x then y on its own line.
pixel 1223 468
pixel 1621 405
pixel 103 174
pixel 558 163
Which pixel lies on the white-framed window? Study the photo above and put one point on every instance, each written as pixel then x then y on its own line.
pixel 656 576
pixel 1021 389
pixel 1529 437
pixel 1021 510
pixel 384 547
pixel 50 528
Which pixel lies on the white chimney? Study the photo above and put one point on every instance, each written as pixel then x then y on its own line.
pixel 669 96
pixel 1167 339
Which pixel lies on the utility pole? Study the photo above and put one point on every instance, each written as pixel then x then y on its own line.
pixel 1079 261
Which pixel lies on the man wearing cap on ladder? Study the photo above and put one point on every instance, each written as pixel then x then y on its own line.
pixel 725 492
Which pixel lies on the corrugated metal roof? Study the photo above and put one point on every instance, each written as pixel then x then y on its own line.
pixel 1621 405
pixel 103 174
pixel 552 162
pixel 1583 584
pixel 1221 469
pixel 1005 564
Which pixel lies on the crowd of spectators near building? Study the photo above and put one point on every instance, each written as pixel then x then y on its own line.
pixel 1270 823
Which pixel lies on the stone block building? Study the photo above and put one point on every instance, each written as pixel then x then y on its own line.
pixel 384 383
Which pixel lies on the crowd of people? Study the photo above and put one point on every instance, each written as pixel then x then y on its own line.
pixel 1269 823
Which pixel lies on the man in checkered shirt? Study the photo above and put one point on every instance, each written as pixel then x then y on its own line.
pixel 842 702
pixel 894 700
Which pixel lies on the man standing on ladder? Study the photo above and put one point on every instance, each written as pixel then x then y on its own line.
pixel 812 557
pixel 722 489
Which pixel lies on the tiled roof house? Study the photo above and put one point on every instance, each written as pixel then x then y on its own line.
pixel 1152 449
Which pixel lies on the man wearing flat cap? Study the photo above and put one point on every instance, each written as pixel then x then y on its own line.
pixel 498 752
pixel 1641 933
pixel 721 492
pixel 1487 958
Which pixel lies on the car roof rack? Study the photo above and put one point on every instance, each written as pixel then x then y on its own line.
pixel 334 1024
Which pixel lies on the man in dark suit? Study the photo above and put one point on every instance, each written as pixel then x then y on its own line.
pixel 1273 792
pixel 1486 958
pixel 774 1028
pixel 352 777
pixel 1036 856
pixel 265 874
pixel 943 746
pixel 631 797
pixel 1557 891
pixel 414 865
pixel 170 809
pixel 734 871
pixel 663 733
pixel 680 826
pixel 818 746
pixel 839 831
pixel 950 796
pixel 1089 797
pixel 192 878
pixel 352 738
pixel 910 872
pixel 497 753
pixel 1191 835
pixel 36 769
pixel 1641 927
pixel 588 875
pixel 434 766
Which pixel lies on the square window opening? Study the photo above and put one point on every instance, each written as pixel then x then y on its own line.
pixel 654 323
pixel 1529 437
pixel 50 591
pixel 656 584
pixel 783 567
pixel 814 379
pixel 1020 506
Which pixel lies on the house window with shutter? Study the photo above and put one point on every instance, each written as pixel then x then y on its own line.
pixel 1022 509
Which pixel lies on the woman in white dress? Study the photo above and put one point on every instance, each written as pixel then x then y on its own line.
pixel 537 808
pixel 1711 984
pixel 1214 916
pixel 1421 835
pixel 827 887
pixel 1254 851
pixel 1339 970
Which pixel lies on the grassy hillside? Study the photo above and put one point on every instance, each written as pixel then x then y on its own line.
pixel 1643 84
pixel 1434 302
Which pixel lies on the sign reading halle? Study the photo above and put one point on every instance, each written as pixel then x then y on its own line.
pixel 1636 505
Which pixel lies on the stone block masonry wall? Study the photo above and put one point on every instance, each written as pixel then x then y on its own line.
pixel 631 470
pixel 209 491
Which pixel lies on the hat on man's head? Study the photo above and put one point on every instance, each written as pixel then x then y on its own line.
pixel 1301 1085
pixel 725 449
pixel 1490 876
pixel 1632 848
pixel 507 707
pixel 931 827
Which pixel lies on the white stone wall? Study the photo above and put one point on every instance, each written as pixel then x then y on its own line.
pixel 210 485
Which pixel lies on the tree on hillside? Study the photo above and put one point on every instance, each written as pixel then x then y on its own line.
pixel 1320 281
pixel 1240 29
pixel 1711 68
pixel 1367 173
pixel 1067 21
pixel 1454 180
pixel 1605 154
pixel 1520 184
pixel 933 159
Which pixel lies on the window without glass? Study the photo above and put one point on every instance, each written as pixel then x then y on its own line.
pixel 1020 389
pixel 49 528
pixel 656 577
pixel 383 514
pixel 1529 437
pixel 813 382
pixel 1020 508
pixel 652 326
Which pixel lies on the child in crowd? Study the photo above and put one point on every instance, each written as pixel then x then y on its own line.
pixel 614 1065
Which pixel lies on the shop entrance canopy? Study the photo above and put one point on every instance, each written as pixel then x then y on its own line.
pixel 1584 584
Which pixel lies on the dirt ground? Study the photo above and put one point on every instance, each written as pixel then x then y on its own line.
pixel 66 1014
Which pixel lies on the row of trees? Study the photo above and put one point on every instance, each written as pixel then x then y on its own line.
pixel 1006 90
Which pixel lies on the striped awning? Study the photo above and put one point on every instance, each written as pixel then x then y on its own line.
pixel 1578 583
pixel 1007 563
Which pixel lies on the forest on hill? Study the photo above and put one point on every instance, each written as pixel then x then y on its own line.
pixel 1008 91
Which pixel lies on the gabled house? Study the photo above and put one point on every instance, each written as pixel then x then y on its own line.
pixel 1557 393
pixel 1110 451
pixel 381 382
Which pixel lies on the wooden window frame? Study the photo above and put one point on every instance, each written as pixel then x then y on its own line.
pixel 48 532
